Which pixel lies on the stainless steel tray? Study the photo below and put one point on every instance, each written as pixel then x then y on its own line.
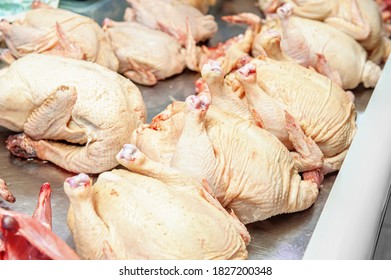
pixel 280 237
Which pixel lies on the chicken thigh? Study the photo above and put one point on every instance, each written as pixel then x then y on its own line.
pixel 164 215
pixel 74 113
pixel 171 16
pixel 58 32
pixel 248 168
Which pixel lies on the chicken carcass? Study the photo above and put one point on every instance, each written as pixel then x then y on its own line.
pixel 58 32
pixel 319 107
pixel 171 16
pixel 74 113
pixel 31 238
pixel 248 168
pixel 360 19
pixel 164 215
pixel 145 55
pixel 317 45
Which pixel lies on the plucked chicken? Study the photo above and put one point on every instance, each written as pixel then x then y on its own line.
pixel 360 19
pixel 317 45
pixel 322 110
pixel 57 32
pixel 30 238
pixel 74 113
pixel 171 16
pixel 249 170
pixel 163 215
pixel 145 55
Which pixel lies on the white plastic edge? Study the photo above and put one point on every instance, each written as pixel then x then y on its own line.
pixel 349 225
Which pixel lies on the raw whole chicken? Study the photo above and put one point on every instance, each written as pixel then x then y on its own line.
pixel 58 32
pixel 74 113
pixel 171 16
pixel 249 170
pixel 317 45
pixel 5 193
pixel 360 19
pixel 322 110
pixel 163 215
pixel 145 55
pixel 30 238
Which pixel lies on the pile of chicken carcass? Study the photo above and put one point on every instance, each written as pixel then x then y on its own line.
pixel 272 114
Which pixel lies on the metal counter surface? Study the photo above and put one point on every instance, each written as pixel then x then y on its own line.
pixel 280 237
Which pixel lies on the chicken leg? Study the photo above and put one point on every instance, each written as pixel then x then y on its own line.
pixel 221 95
pixel 136 161
pixel 194 145
pixel 80 193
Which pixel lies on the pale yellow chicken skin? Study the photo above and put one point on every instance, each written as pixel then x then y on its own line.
pixel 74 113
pixel 280 94
pixel 316 45
pixel 172 16
pixel 164 215
pixel 248 168
pixel 145 55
